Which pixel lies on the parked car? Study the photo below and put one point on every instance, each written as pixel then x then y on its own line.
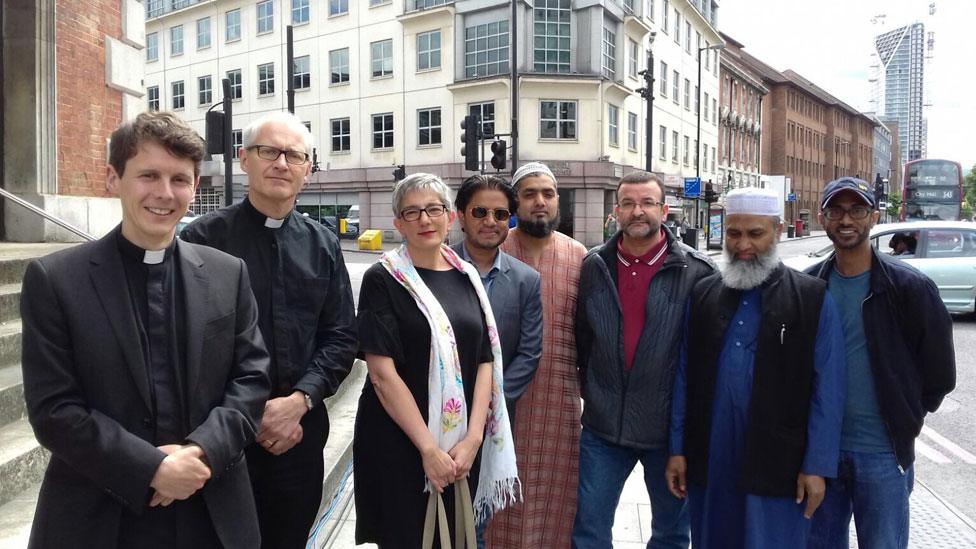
pixel 184 221
pixel 352 220
pixel 943 250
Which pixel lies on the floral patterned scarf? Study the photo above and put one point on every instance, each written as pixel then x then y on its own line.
pixel 447 420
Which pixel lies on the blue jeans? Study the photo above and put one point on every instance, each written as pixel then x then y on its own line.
pixel 604 468
pixel 872 488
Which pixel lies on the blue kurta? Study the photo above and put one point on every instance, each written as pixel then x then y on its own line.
pixel 721 515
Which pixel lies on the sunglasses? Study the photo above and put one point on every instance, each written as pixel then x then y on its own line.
pixel 500 214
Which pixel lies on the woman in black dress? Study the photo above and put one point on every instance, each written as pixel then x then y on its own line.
pixel 394 450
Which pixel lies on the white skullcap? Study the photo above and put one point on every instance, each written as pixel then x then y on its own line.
pixel 531 167
pixel 752 201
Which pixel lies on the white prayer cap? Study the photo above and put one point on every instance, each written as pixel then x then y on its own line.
pixel 752 201
pixel 531 168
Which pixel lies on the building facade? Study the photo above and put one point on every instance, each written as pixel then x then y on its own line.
pixel 71 72
pixel 882 150
pixel 898 85
pixel 387 82
pixel 740 120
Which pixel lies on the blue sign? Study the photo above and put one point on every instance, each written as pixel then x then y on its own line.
pixel 791 197
pixel 692 187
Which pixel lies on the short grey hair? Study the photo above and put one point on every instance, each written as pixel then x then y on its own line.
pixel 421 182
pixel 293 123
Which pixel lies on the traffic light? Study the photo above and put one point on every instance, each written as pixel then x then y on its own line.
pixel 498 153
pixel 400 172
pixel 879 194
pixel 710 195
pixel 471 126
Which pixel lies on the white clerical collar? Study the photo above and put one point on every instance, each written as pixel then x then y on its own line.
pixel 154 257
pixel 273 223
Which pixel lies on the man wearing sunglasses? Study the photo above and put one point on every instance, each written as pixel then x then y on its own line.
pixel 900 365
pixel 306 316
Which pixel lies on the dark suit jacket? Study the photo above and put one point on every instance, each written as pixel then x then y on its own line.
pixel 88 397
pixel 516 302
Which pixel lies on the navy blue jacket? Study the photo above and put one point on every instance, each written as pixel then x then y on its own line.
pixel 909 340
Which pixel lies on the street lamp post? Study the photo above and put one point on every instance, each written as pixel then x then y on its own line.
pixel 647 92
pixel 719 46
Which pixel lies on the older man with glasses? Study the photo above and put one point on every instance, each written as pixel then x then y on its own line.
pixel 306 316
pixel 629 320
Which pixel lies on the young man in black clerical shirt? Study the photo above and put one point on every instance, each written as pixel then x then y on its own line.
pixel 306 315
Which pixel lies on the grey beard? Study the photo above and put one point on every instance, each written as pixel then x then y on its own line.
pixel 746 274
pixel 538 229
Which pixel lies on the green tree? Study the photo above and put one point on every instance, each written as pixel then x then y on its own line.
pixel 969 196
pixel 894 205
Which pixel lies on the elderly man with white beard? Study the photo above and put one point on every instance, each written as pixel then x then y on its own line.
pixel 758 398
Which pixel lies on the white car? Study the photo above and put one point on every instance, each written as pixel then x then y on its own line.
pixel 943 250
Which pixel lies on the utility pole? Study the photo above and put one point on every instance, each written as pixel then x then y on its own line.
pixel 514 87
pixel 719 46
pixel 228 145
pixel 647 92
pixel 290 68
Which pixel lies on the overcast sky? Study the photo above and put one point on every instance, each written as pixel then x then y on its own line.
pixel 830 42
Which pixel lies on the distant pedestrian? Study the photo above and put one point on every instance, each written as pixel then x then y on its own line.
pixel 900 365
pixel 629 318
pixel 758 397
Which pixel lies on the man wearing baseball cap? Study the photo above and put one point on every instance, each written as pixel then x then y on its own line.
pixel 900 365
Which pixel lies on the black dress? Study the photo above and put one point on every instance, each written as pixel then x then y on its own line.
pixel 387 468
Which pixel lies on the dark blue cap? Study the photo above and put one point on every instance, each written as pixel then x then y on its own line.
pixel 837 186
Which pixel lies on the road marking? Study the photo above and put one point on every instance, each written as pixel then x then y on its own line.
pixel 949 445
pixel 931 453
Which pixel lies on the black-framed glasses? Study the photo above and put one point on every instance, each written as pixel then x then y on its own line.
pixel 836 213
pixel 627 205
pixel 500 214
pixel 432 211
pixel 272 153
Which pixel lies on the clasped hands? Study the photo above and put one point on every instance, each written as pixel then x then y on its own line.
pixel 182 472
pixel 444 468
pixel 280 429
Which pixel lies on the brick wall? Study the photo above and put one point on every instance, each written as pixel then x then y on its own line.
pixel 88 110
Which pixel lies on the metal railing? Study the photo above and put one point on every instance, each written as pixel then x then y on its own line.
pixel 419 5
pixel 158 8
pixel 39 211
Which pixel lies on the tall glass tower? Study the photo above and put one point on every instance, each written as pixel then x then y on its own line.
pixel 899 90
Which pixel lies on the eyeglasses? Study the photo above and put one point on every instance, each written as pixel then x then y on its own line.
pixel 500 214
pixel 627 205
pixel 836 213
pixel 272 154
pixel 432 211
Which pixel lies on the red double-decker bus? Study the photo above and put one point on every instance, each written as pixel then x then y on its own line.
pixel 932 189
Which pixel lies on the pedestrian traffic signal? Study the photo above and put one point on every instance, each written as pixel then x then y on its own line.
pixel 400 172
pixel 710 195
pixel 471 128
pixel 498 153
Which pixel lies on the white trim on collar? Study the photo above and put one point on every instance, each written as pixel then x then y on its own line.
pixel 154 257
pixel 273 223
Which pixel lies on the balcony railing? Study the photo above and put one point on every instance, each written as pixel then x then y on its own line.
pixel 416 5
pixel 158 8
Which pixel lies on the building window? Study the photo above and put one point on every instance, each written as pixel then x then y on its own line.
pixel 236 87
pixel 265 16
pixel 665 15
pixel 705 114
pixel 632 131
pixel 176 40
pixel 377 2
pixel 686 150
pixel 203 33
pixel 152 97
pixel 557 120
pixel 152 47
pixel 266 79
pixel 237 141
pixel 674 147
pixel 429 50
pixel 650 9
pixel 687 37
pixel 687 94
pixel 662 141
pixel 708 55
pixel 663 79
pixel 486 49
pixel 381 58
pixel 383 131
pixel 696 151
pixel 704 155
pixel 634 53
pixel 302 77
pixel 338 7
pixel 340 135
pixel 677 27
pixel 609 53
pixel 429 127
pixel 205 89
pixel 552 36
pixel 299 12
pixel 178 100
pixel 714 111
pixel 232 22
pixel 697 100
pixel 487 113
pixel 613 120
pixel 339 66
pixel 675 87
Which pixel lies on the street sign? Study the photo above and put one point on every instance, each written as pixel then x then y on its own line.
pixel 791 197
pixel 692 187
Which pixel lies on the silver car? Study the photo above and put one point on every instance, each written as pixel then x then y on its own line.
pixel 943 250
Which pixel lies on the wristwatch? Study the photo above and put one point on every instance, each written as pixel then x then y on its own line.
pixel 308 400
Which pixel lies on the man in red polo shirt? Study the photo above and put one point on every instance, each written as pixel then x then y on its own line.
pixel 630 314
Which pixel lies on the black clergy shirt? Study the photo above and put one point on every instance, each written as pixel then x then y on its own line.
pixel 300 283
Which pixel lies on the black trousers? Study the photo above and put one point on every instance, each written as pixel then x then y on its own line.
pixel 288 488
pixel 183 524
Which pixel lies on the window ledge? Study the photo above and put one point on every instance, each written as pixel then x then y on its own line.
pixel 340 153
pixel 431 146
pixel 558 140
pixel 384 77
pixel 431 69
pixel 382 150
pixel 232 40
pixel 262 33
pixel 339 84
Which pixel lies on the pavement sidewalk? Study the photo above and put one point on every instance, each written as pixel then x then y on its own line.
pixel 935 524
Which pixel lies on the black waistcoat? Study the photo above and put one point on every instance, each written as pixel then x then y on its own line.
pixel 776 428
